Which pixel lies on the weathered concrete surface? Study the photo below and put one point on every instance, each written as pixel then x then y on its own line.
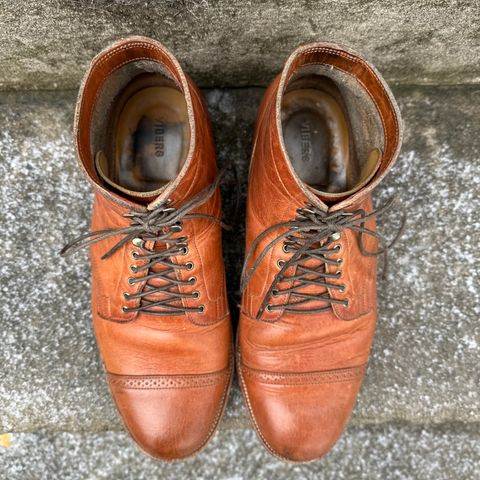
pixel 373 453
pixel 424 367
pixel 230 43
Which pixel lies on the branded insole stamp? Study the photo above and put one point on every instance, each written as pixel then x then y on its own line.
pixel 152 139
pixel 316 137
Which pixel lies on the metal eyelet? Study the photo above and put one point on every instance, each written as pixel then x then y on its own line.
pixel 338 247
pixel 189 265
pixel 201 308
pixel 335 236
pixel 339 261
pixel 192 280
pixel 124 308
pixel 275 293
pixel 269 308
pixel 138 242
pixel 133 268
pixel 196 294
pixel 280 263
pixel 285 248
pixel 134 255
pixel 126 295
pixel 131 281
pixel 342 288
pixel 183 250
pixel 345 304
pixel 338 273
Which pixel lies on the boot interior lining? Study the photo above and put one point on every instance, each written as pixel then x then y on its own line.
pixel 331 130
pixel 316 137
pixel 140 129
pixel 152 137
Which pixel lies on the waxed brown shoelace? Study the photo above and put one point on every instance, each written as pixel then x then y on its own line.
pixel 158 226
pixel 310 236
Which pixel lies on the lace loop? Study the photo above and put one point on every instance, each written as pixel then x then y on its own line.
pixel 155 226
pixel 311 237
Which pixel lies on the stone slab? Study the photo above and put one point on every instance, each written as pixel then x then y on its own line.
pixel 390 452
pixel 47 45
pixel 424 367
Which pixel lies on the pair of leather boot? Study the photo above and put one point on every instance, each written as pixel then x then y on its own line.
pixel 327 132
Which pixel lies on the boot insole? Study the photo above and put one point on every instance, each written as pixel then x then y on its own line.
pixel 152 139
pixel 316 137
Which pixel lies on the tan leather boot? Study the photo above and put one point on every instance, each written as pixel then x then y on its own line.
pixel 328 130
pixel 159 301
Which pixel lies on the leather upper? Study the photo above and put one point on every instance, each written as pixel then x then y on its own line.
pixel 169 375
pixel 300 373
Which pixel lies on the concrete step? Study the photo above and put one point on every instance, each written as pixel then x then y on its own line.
pixel 424 367
pixel 393 452
pixel 48 44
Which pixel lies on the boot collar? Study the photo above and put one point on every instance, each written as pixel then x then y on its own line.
pixel 126 51
pixel 346 60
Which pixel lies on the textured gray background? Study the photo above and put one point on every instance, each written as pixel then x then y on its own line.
pixel 418 414
pixel 373 453
pixel 240 42
pixel 423 370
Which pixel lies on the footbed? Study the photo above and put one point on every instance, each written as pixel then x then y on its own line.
pixel 151 139
pixel 316 137
pixel 331 131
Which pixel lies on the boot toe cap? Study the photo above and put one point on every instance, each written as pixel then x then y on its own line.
pixel 171 416
pixel 299 417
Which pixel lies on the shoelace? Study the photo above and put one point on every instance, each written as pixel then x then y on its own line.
pixel 158 226
pixel 310 236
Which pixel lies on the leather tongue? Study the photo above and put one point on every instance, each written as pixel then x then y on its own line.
pixel 102 164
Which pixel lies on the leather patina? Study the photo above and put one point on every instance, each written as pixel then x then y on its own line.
pixel 168 359
pixel 300 372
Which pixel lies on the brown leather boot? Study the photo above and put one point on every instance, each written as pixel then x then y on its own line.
pixel 328 131
pixel 159 301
